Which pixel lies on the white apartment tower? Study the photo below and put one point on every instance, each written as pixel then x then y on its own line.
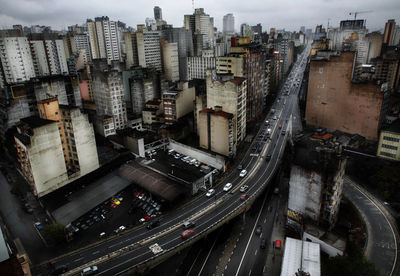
pixel 228 24
pixel 148 49
pixel 109 96
pixel 104 38
pixel 82 42
pixel 16 60
pixel 170 60
pixel 202 24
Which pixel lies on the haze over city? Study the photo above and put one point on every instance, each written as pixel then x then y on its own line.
pixel 200 138
pixel 285 14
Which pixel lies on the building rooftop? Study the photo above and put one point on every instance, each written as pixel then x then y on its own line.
pixel 217 113
pixel 237 80
pixel 154 102
pixel 394 127
pixel 34 121
pixel 301 254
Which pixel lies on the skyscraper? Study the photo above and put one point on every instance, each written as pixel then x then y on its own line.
pixel 389 32
pixel 202 27
pixel 104 38
pixel 229 24
pixel 157 13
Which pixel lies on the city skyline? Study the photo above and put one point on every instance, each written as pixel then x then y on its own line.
pixel 280 15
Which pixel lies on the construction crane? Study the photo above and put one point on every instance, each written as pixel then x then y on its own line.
pixel 358 12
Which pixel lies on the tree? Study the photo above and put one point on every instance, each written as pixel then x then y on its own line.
pixel 54 232
pixel 354 264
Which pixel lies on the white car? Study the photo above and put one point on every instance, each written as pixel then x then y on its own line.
pixel 120 229
pixel 227 187
pixel 91 270
pixel 210 193
pixel 243 173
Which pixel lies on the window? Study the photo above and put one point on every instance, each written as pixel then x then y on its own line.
pixel 389 147
pixel 388 138
pixel 388 154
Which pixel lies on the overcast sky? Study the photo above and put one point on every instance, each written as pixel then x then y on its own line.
pixel 288 14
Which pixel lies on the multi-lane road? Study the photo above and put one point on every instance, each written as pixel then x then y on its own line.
pixel 131 250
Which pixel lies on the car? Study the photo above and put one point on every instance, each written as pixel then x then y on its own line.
pixel 96 218
pixel 102 235
pixel 262 244
pixel 115 201
pixel 280 126
pixel 38 225
pixel 243 188
pixel 189 224
pixel 91 270
pixel 243 197
pixel 60 270
pixel 84 226
pixel 210 193
pixel 275 118
pixel 259 149
pixel 243 173
pixel 240 167
pixel 28 208
pixel 187 233
pixel 120 229
pixel 197 164
pixel 146 218
pixel 278 244
pixel 283 132
pixel 276 190
pixel 258 230
pixel 227 187
pixel 89 222
pixel 268 157
pixel 153 223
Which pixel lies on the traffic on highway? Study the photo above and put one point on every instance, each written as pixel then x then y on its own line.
pixel 140 248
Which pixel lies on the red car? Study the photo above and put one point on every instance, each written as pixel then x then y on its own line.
pixel 243 197
pixel 278 244
pixel 187 233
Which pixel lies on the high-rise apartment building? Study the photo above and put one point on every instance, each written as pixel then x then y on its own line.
pixel 185 47
pixel 82 42
pixel 228 26
pixel 216 131
pixel 108 90
pixel 76 133
pixel 104 38
pixel 197 66
pixel 229 93
pixel 177 102
pixel 201 25
pixel 355 108
pixel 148 49
pixel 390 27
pixel 157 13
pixel 131 51
pixel 16 60
pixel 248 61
pixel 170 60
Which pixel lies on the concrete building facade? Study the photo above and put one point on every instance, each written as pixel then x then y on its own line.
pixel 16 60
pixel 228 24
pixel 109 95
pixel 178 102
pixel 216 131
pixel 334 102
pixel 148 47
pixel 197 66
pixel 389 142
pixel 170 60
pixel 229 93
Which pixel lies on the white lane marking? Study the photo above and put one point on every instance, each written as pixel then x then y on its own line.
pixel 77 260
pixel 96 252
pixel 255 253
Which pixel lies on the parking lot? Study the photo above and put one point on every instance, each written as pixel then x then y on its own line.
pixel 129 208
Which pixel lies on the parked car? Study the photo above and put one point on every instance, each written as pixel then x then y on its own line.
pixel 243 188
pixel 210 193
pixel 153 223
pixel 38 225
pixel 278 244
pixel 120 229
pixel 187 233
pixel 227 187
pixel 243 173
